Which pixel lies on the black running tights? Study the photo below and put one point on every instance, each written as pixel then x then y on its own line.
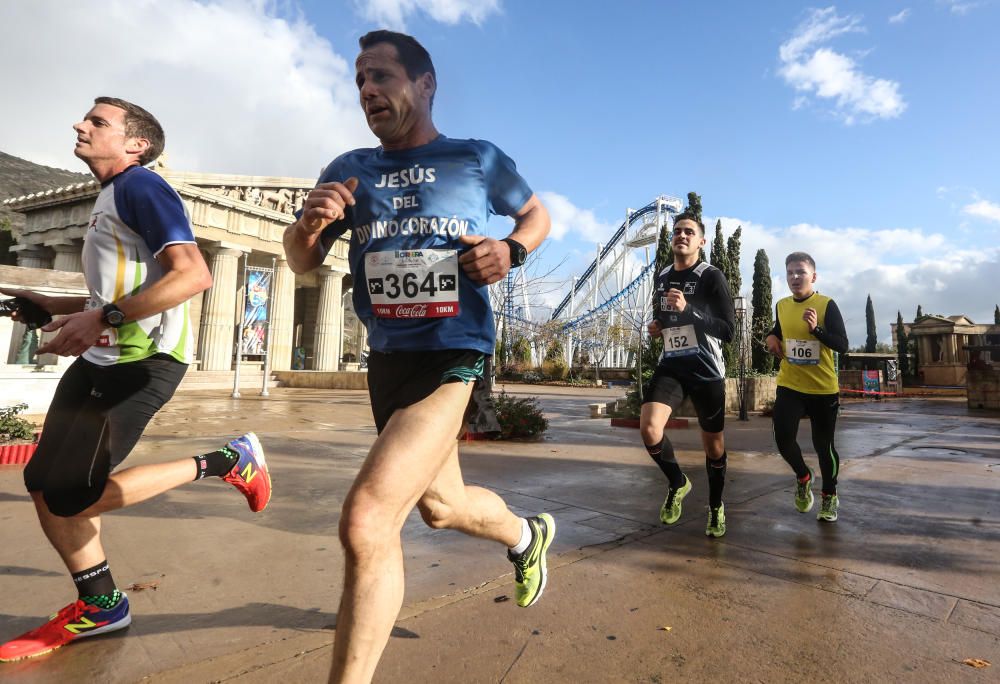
pixel 789 408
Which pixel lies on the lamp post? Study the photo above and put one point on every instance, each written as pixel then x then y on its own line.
pixel 739 303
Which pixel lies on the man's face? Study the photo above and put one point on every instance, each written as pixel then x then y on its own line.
pixel 800 276
pixel 101 135
pixel 687 238
pixel 393 104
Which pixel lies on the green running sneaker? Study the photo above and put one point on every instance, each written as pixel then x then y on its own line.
pixel 716 526
pixel 803 494
pixel 529 567
pixel 670 511
pixel 828 509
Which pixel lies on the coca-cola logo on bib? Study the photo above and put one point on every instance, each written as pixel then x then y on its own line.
pixel 412 311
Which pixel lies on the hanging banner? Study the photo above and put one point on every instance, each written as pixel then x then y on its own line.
pixel 255 311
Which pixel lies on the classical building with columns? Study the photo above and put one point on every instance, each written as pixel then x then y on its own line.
pixel 234 218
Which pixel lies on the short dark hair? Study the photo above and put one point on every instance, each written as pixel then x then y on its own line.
pixel 139 124
pixel 800 256
pixel 412 55
pixel 690 216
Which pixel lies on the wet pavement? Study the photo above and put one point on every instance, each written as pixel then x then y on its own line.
pixel 905 587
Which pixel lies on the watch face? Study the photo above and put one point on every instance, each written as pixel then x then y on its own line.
pixel 114 318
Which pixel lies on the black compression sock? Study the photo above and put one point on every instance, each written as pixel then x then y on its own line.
pixel 217 463
pixel 94 581
pixel 663 455
pixel 716 479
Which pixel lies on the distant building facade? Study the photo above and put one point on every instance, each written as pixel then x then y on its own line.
pixel 234 218
pixel 941 342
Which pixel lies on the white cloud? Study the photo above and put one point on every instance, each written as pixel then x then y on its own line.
pixel 810 68
pixel 959 7
pixel 567 218
pixel 899 268
pixel 237 87
pixel 394 13
pixel 983 209
pixel 900 17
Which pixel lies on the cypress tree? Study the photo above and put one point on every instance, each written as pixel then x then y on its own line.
pixel 996 315
pixel 920 313
pixel 762 321
pixel 694 204
pixel 902 346
pixel 733 259
pixel 872 340
pixel 718 255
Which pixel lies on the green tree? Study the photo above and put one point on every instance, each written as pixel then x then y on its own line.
pixel 996 315
pixel 920 313
pixel 871 342
pixel 902 346
pixel 694 204
pixel 733 260
pixel 718 257
pixel 762 321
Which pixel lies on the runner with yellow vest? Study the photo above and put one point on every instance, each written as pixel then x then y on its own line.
pixel 808 328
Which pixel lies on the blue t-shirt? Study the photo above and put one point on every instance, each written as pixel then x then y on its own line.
pixel 425 198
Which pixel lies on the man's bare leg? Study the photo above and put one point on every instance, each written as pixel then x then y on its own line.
pixel 714 443
pixel 405 459
pixel 653 417
pixel 449 503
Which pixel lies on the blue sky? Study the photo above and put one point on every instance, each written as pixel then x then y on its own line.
pixel 862 132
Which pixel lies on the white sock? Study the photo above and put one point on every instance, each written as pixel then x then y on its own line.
pixel 525 542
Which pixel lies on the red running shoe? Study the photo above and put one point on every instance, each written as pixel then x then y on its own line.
pixel 250 474
pixel 75 621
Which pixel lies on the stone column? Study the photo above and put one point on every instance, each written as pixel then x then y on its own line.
pixel 32 256
pixel 69 257
pixel 328 315
pixel 218 314
pixel 282 316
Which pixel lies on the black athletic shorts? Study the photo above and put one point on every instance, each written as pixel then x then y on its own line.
pixel 708 397
pixel 95 419
pixel 400 379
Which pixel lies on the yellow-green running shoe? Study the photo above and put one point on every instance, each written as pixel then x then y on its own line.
pixel 716 526
pixel 828 509
pixel 529 567
pixel 803 494
pixel 670 511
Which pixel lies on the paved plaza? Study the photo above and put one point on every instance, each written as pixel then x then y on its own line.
pixel 904 588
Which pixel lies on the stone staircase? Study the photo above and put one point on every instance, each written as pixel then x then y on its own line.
pixel 250 380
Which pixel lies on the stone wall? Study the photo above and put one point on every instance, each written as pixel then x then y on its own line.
pixel 984 388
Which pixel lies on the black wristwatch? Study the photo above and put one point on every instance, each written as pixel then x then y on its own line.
pixel 113 316
pixel 518 254
pixel 818 330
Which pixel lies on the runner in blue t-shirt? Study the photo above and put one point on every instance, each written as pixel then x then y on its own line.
pixel 416 208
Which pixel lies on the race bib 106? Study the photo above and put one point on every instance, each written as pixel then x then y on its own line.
pixel 419 283
pixel 680 341
pixel 802 352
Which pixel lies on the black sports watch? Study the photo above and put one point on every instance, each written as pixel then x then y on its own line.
pixel 818 330
pixel 518 254
pixel 113 316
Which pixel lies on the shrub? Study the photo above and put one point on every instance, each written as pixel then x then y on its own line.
pixel 532 377
pixel 554 369
pixel 13 428
pixel 519 418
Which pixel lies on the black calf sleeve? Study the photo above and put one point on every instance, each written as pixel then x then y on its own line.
pixel 716 479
